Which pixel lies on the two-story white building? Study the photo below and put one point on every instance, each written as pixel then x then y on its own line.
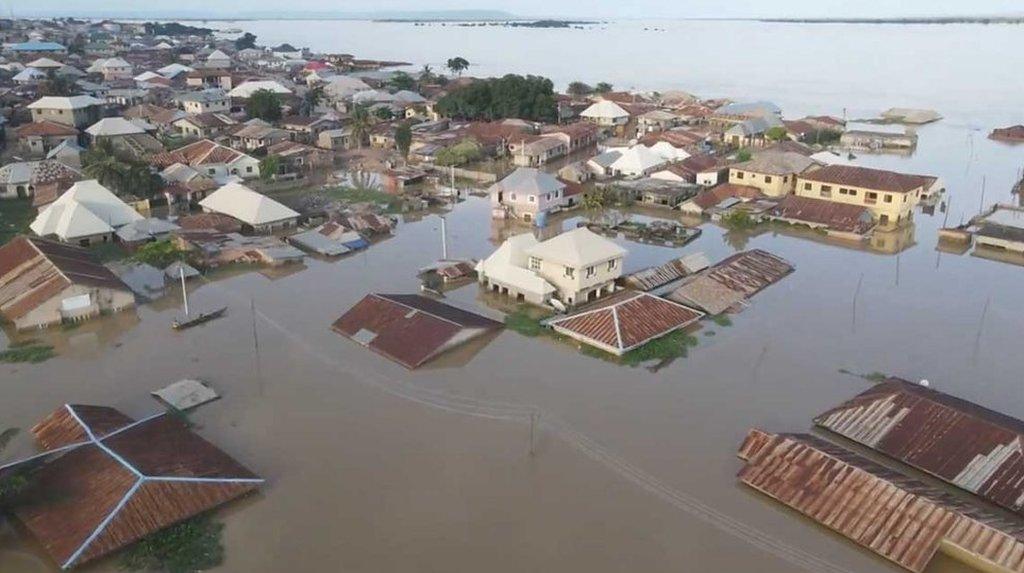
pixel 526 194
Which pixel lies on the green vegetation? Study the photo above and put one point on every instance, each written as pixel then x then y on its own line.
pixel 269 167
pixel 824 136
pixel 190 546
pixel 738 221
pixel 311 99
pixel 458 64
pixel 743 155
pixel 512 96
pixel 579 89
pixel 777 133
pixel 466 151
pixel 14 484
pixel 674 345
pixel 391 203
pixel 265 105
pixel 403 139
pixel 402 81
pixel 360 123
pixel 384 113
pixel 245 41
pixel 120 172
pixel 175 29
pixel 522 322
pixel 603 87
pixel 875 376
pixel 158 253
pixel 28 351
pixel 15 217
pixel 58 85
pixel 107 252
pixel 722 319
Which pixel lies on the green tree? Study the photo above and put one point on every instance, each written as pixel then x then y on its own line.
pixel 58 85
pixel 512 96
pixel 579 89
pixel 403 139
pixel 269 167
pixel 466 151
pixel 427 75
pixel 158 253
pixel 777 133
pixel 603 87
pixel 360 124
pixel 192 545
pixel 384 113
pixel 458 64
pixel 743 155
pixel 265 105
pixel 245 41
pixel 101 163
pixel 402 81
pixel 311 99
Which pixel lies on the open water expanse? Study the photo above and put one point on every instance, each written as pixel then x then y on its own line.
pixel 373 468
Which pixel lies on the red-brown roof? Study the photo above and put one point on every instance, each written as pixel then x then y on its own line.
pixel 117 481
pixel 410 329
pixel 1012 133
pixel 626 320
pixel 867 178
pixel 34 270
pixel 708 198
pixel 204 152
pixel 842 217
pixel 965 444
pixel 751 271
pixel 210 222
pixel 45 129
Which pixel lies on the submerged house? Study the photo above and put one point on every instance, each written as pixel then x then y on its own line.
pixel 963 444
pixel 732 281
pixel 527 193
pixel 624 321
pixel 898 518
pixel 261 213
pixel 86 214
pixel 835 219
pixel 890 196
pixel 44 283
pixel 411 329
pixel 107 481
pixel 506 271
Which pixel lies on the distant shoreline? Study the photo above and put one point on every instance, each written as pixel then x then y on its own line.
pixel 936 20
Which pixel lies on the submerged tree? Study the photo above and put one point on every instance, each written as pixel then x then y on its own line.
pixel 360 124
pixel 401 81
pixel 458 64
pixel 403 139
pixel 245 41
pixel 265 105
pixel 512 96
pixel 269 167
pixel 311 99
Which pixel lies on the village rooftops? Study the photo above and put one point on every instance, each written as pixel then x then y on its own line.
pixel 835 216
pixel 777 163
pixel 115 126
pixel 577 248
pixel 528 181
pixel 86 209
pixel 410 329
pixel 203 152
pixel 899 518
pixel 246 89
pixel 867 178
pixel 65 102
pixel 246 205
pixel 45 129
pixel 605 109
pixel 625 320
pixel 109 481
pixel 961 443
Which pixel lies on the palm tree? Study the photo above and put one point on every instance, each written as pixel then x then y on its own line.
pixel 311 99
pixel 426 74
pixel 102 164
pixel 458 65
pixel 361 123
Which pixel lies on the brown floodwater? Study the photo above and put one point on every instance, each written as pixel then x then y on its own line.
pixel 371 467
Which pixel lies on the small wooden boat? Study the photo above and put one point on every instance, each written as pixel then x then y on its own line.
pixel 200 318
pixel 190 321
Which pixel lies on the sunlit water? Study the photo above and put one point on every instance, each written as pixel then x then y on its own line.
pixel 374 468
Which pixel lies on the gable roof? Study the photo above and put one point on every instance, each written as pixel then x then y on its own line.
pixel 842 217
pixel 604 109
pixel 114 126
pixel 203 152
pixel 87 208
pixel 410 329
pixel 867 178
pixel 246 205
pixel 33 270
pixel 45 129
pixel 528 180
pixel 777 163
pixel 577 248
pixel 120 480
pixel 65 102
pixel 626 320
pixel 964 444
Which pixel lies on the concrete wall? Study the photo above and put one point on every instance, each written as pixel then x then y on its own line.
pixel 576 288
pixel 885 207
pixel 770 185
pixel 49 313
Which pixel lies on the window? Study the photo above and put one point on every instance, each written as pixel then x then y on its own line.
pixel 871 198
pixel 739 175
pixel 888 198
pixel 210 171
pixel 807 186
pixel 767 178
pixel 248 169
pixel 785 179
pixel 611 265
pixel 534 264
pixel 512 196
pixel 591 271
pixel 826 189
pixel 570 272
pixel 532 199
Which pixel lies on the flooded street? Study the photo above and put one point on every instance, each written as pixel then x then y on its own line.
pixel 373 468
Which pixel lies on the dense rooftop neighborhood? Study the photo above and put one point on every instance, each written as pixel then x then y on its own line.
pixel 143 160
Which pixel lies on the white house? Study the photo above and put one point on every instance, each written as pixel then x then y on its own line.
pixel 606 113
pixel 258 211
pixel 506 272
pixel 88 213
pixel 637 161
pixel 216 161
pixel 581 264
pixel 526 194
pixel 246 89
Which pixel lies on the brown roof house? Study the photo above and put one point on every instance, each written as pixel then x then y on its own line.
pixel 39 138
pixel 106 481
pixel 732 281
pixel 43 283
pixel 836 219
pixel 411 329
pixel 625 321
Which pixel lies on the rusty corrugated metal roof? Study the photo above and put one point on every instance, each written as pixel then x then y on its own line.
pixel 410 329
pixel 966 445
pixel 900 519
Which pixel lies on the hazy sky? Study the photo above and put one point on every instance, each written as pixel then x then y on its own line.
pixel 579 8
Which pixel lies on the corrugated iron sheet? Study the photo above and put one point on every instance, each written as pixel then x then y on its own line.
pixel 751 271
pixel 653 277
pixel 898 518
pixel 962 443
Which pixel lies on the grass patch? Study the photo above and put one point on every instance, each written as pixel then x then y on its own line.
pixel 192 545
pixel 870 377
pixel 29 351
pixel 108 252
pixel 15 217
pixel 674 345
pixel 522 322
pixel 366 195
pixel 722 320
pixel 158 254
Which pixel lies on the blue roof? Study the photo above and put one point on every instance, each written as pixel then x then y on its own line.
pixel 37 47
